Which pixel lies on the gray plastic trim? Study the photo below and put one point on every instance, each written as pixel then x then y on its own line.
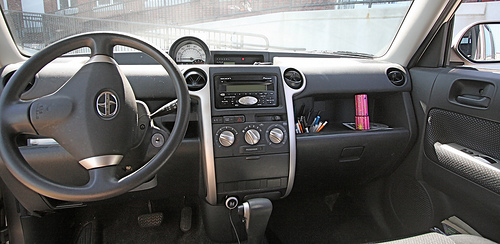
pixel 457 156
pixel 205 117
pixel 101 161
pixel 470 165
pixel 101 59
pixel 246 214
pixel 289 94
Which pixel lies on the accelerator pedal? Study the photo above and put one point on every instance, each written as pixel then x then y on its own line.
pixel 151 219
pixel 88 234
pixel 186 219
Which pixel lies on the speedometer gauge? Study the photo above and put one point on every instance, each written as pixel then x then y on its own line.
pixel 190 53
pixel 189 50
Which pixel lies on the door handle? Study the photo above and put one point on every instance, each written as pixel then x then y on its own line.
pixel 472 100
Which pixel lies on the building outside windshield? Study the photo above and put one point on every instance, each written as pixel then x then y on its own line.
pixel 318 26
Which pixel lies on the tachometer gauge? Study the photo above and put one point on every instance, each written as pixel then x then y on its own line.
pixel 189 50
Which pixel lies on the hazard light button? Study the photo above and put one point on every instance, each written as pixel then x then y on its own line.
pixel 234 119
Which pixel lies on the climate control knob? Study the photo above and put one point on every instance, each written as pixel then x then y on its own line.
pixel 276 135
pixel 226 138
pixel 252 136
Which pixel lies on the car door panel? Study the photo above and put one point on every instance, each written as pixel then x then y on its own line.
pixel 460 143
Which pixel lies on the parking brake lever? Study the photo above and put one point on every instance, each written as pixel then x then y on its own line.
pixel 165 109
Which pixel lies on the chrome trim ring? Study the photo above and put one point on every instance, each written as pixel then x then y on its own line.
pixel 107 105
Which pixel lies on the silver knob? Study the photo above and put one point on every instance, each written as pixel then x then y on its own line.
pixel 276 135
pixel 226 138
pixel 252 136
pixel 248 100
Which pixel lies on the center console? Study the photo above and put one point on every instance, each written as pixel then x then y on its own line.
pixel 248 140
pixel 250 129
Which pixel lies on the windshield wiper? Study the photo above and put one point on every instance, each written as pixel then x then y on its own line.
pixel 348 54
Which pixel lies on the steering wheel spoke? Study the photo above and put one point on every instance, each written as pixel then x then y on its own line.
pixel 102 45
pixel 16 115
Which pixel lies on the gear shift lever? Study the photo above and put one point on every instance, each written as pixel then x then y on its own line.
pixel 256 213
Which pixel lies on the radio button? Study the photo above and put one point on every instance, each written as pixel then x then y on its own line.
pixel 217 120
pixel 234 119
pixel 248 100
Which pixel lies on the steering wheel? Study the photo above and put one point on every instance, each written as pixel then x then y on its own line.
pixel 93 116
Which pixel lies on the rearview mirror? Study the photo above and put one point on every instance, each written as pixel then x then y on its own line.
pixel 479 42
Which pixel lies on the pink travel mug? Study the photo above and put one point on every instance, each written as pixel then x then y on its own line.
pixel 362 119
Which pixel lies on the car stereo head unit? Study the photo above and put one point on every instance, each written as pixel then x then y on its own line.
pixel 235 91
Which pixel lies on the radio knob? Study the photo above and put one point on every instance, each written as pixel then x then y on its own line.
pixel 226 138
pixel 252 136
pixel 276 135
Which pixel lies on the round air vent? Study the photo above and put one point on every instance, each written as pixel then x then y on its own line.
pixel 293 79
pixel 195 79
pixel 396 76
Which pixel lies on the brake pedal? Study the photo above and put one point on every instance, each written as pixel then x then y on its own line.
pixel 151 219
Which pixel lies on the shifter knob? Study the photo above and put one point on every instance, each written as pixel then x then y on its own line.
pixel 256 212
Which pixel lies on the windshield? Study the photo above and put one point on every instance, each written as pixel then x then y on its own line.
pixel 317 26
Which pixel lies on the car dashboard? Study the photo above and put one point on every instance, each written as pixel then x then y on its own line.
pixel 242 139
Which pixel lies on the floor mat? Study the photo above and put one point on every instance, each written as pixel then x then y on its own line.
pixel 118 223
pixel 321 218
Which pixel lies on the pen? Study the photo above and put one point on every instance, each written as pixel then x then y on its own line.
pixel 318 126
pixel 308 118
pixel 316 120
pixel 321 127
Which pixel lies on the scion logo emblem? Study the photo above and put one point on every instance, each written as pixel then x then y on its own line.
pixel 107 105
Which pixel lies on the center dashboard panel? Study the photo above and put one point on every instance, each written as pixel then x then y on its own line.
pixel 249 150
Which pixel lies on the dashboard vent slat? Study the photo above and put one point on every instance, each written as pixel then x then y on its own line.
pixel 195 79
pixel 293 78
pixel 396 76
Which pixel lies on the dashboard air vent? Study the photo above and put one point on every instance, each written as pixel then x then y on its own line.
pixel 396 76
pixel 195 79
pixel 293 78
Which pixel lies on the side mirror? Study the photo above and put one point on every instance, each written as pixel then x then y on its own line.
pixel 478 43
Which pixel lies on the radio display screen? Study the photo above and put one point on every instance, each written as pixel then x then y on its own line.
pixel 246 88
